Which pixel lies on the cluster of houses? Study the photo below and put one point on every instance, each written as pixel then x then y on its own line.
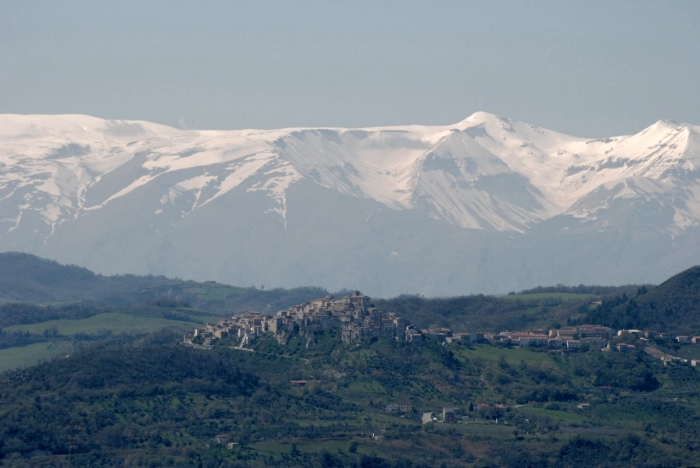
pixel 592 336
pixel 571 337
pixel 354 315
pixel 663 336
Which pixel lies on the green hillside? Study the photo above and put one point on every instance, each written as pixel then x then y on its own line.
pixel 30 333
pixel 490 313
pixel 27 278
pixel 672 306
pixel 153 402
pixel 24 277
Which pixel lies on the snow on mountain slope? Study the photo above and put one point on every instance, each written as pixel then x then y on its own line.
pixel 660 162
pixel 485 172
pixel 462 183
pixel 64 166
pixel 375 164
pixel 61 174
pixel 443 172
pixel 566 168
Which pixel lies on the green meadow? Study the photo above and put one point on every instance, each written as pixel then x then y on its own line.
pixel 116 322
pixel 25 356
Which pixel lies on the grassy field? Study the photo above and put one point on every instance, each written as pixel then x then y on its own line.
pixel 115 322
pixel 214 291
pixel 24 356
pixel 362 390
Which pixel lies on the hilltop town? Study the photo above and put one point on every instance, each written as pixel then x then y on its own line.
pixel 358 319
pixel 354 315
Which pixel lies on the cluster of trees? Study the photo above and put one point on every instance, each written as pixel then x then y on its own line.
pixel 478 312
pixel 18 338
pixel 19 313
pixel 618 370
pixel 527 383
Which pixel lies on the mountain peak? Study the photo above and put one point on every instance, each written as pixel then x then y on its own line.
pixel 664 125
pixel 481 117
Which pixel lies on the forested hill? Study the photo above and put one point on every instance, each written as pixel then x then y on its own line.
pixel 533 308
pixel 672 306
pixel 27 278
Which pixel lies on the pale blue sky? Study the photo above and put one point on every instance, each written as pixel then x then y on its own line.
pixel 589 68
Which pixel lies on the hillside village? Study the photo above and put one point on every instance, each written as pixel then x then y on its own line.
pixel 581 337
pixel 353 314
pixel 358 319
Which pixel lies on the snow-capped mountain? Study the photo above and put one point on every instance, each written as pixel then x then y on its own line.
pixel 489 204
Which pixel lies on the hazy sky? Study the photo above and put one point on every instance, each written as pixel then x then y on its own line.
pixel 586 68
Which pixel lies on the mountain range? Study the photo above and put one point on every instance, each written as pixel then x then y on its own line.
pixel 489 204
